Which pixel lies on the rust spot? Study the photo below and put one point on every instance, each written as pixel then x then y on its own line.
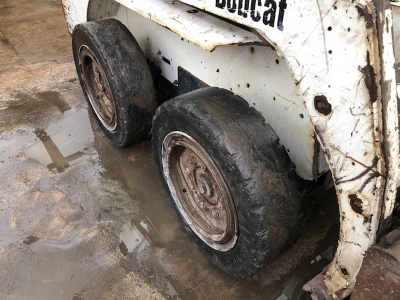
pixel 356 203
pixel 322 105
pixel 370 79
pixel 364 12
pixel 367 219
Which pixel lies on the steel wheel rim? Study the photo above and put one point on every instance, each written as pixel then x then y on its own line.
pixel 97 88
pixel 199 191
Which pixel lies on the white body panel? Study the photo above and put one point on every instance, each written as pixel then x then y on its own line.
pixel 200 28
pixel 249 71
pixel 75 12
pixel 337 86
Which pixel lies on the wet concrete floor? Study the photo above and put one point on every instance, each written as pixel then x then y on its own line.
pixel 81 219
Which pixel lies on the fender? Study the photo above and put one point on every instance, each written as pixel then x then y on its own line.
pixel 75 12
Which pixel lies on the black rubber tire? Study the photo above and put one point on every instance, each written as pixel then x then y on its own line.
pixel 127 73
pixel 255 167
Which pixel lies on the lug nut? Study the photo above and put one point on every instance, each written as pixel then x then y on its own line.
pixel 215 213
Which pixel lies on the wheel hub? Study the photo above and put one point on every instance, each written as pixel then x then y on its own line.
pixel 199 191
pixel 98 88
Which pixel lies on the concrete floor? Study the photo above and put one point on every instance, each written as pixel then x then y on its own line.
pixel 81 219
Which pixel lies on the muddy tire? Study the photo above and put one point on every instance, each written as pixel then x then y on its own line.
pixel 115 79
pixel 229 180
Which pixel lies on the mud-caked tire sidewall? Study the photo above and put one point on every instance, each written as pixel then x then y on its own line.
pixel 128 75
pixel 256 169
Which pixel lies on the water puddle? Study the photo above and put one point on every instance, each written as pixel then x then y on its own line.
pixel 136 235
pixel 62 144
pixel 31 109
pixel 134 238
pixel 291 285
pixel 144 242
pixel 112 213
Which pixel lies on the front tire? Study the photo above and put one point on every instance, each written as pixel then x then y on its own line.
pixel 115 79
pixel 229 180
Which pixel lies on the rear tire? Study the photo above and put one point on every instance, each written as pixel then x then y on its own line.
pixel 115 79
pixel 229 180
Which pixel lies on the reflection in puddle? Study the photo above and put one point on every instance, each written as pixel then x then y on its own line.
pixel 291 285
pixel 171 291
pixel 138 235
pixel 62 143
pixel 134 238
pixel 59 162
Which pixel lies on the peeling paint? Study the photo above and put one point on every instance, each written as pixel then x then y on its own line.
pixel 336 50
pixel 75 12
pixel 370 79
pixel 193 25
pixel 363 11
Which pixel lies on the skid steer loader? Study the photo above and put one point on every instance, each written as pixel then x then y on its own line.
pixel 260 94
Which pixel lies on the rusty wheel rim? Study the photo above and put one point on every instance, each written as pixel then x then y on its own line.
pixel 199 191
pixel 97 88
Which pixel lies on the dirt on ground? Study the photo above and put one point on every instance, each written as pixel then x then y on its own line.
pixel 81 219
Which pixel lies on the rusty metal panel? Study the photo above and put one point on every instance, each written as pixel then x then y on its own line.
pixel 390 143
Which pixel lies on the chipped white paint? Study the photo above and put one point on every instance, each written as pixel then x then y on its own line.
pixel 75 12
pixel 390 110
pixel 266 85
pixel 196 26
pixel 327 46
pixel 332 53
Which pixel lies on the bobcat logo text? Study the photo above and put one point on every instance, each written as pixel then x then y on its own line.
pixel 266 11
